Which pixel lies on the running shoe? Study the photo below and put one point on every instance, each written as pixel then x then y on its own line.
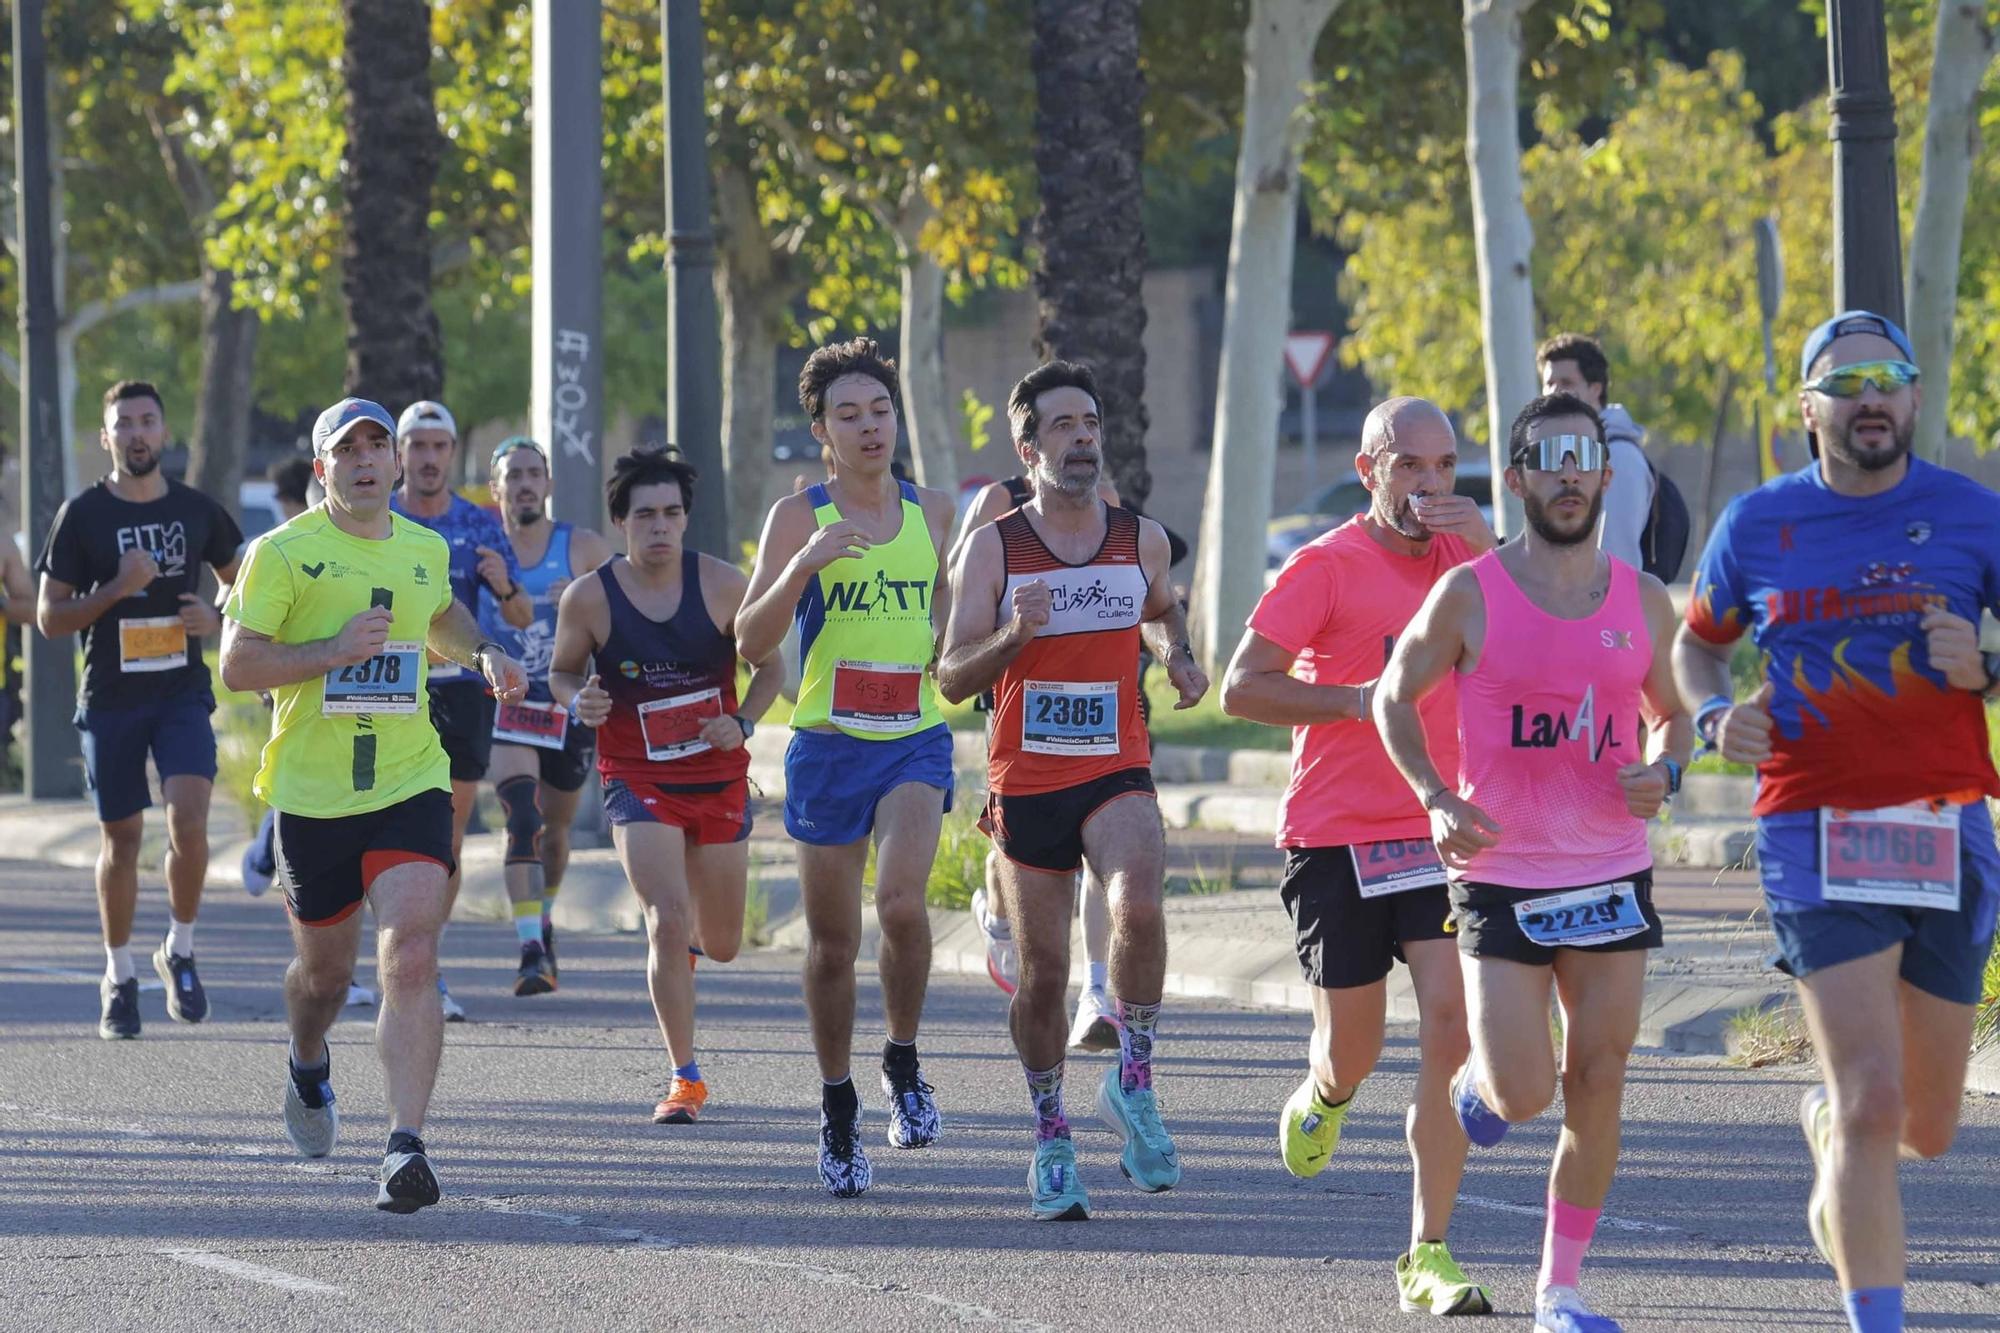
pixel 408 1183
pixel 913 1110
pixel 683 1102
pixel 120 1021
pixel 536 977
pixel 1429 1281
pixel 1148 1160
pixel 359 996
pixel 1481 1123
pixel 1003 964
pixel 1309 1130
pixel 312 1120
pixel 452 1012
pixel 1094 1029
pixel 549 946
pixel 256 879
pixel 1816 1118
pixel 187 1002
pixel 843 1163
pixel 1563 1310
pixel 1055 1191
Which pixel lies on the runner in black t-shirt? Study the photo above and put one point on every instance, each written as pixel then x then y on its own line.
pixel 122 566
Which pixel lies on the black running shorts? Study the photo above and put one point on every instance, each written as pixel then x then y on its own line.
pixel 327 865
pixel 1344 939
pixel 1489 926
pixel 1044 831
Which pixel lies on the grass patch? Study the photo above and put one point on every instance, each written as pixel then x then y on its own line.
pixel 1986 1025
pixel 1202 884
pixel 756 909
pixel 959 867
pixel 1757 1037
pixel 242 725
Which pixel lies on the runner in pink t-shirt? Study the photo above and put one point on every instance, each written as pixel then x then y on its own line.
pixel 1361 882
pixel 1565 682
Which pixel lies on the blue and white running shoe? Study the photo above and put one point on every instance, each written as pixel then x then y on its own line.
pixel 1482 1124
pixel 1563 1310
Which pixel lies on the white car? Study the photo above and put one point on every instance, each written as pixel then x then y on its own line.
pixel 258 503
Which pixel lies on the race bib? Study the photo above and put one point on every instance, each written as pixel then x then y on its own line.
pixel 152 643
pixel 1582 917
pixel 672 727
pixel 1069 717
pixel 1901 856
pixel 876 696
pixel 543 725
pixel 1395 866
pixel 386 683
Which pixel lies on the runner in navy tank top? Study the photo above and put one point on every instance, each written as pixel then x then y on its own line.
pixel 541 755
pixel 645 655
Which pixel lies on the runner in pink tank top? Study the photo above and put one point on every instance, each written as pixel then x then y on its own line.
pixel 1565 684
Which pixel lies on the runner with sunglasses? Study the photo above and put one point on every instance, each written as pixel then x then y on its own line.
pixel 1861 579
pixel 1564 676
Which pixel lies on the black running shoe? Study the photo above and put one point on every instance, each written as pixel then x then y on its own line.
pixel 408 1183
pixel 536 977
pixel 549 947
pixel 187 1002
pixel 121 1011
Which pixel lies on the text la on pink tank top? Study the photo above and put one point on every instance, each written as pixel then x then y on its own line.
pixel 1546 719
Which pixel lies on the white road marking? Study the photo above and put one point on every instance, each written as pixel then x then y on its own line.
pixel 1537 1210
pixel 106 1127
pixel 249 1272
pixel 70 974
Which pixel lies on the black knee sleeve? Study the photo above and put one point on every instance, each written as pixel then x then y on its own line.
pixel 521 799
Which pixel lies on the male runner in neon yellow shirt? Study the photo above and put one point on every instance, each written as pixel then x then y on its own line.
pixel 331 614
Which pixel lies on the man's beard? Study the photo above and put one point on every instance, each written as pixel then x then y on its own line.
pixel 1901 435
pixel 1537 512
pixel 142 465
pixel 525 516
pixel 1058 477
pixel 1401 517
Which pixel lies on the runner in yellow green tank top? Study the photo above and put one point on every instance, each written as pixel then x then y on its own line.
pixel 856 562
pixel 332 613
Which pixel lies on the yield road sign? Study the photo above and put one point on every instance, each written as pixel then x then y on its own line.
pixel 1307 354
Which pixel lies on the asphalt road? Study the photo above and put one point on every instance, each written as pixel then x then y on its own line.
pixel 149 1184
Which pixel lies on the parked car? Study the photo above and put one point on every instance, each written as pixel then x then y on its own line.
pixel 258 501
pixel 1342 500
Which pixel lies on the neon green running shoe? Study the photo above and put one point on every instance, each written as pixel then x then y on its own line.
pixel 1429 1281
pixel 1055 1192
pixel 1816 1118
pixel 1309 1130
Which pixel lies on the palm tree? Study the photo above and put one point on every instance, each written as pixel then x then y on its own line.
pixel 1090 234
pixel 394 349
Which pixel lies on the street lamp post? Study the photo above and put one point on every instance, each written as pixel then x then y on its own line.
pixel 1867 237
pixel 52 767
pixel 694 367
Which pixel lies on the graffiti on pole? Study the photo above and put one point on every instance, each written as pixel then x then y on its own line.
pixel 572 414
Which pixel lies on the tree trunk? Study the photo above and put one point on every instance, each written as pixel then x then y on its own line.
pixel 1090 234
pixel 222 404
pixel 1256 313
pixel 753 287
pixel 927 415
pixel 395 351
pixel 1959 60
pixel 1501 233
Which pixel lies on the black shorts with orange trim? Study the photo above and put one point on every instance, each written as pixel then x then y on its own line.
pixel 326 866
pixel 1044 830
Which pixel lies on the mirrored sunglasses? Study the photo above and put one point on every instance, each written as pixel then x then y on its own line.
pixel 1557 451
pixel 1852 381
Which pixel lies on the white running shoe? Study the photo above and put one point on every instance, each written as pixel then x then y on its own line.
pixel 312 1119
pixel 452 1012
pixel 1563 1310
pixel 359 997
pixel 1094 1029
pixel 1002 963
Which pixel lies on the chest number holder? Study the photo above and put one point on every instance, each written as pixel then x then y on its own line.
pixel 1069 717
pixel 152 643
pixel 1582 917
pixel 542 725
pixel 672 727
pixel 1395 866
pixel 882 697
pixel 1900 856
pixel 388 682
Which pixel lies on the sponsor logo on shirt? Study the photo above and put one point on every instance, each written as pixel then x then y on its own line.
pixel 314 571
pixel 1545 731
pixel 868 597
pixel 165 542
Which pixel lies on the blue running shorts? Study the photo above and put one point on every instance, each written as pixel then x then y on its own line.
pixel 833 782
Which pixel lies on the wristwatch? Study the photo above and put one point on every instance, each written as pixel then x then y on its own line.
pixel 1673 774
pixel 749 727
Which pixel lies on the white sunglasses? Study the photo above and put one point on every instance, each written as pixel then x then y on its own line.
pixel 1556 451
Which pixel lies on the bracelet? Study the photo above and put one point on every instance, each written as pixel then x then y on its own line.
pixel 513 591
pixel 1673 774
pixel 1714 706
pixel 1431 800
pixel 480 651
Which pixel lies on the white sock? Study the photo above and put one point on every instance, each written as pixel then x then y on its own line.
pixel 118 964
pixel 1100 976
pixel 180 938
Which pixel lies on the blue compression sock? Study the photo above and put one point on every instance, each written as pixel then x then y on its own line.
pixel 1875 1310
pixel 691 1071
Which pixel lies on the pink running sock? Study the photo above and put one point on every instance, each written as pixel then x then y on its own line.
pixel 1564 1242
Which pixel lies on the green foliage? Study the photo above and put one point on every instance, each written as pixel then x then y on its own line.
pixel 976 417
pixel 960 864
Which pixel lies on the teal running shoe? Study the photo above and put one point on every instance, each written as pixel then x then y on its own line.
pixel 1055 1191
pixel 1149 1160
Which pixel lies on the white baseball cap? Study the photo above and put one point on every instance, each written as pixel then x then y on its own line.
pixel 426 413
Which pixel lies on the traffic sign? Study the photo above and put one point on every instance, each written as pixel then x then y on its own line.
pixel 1307 354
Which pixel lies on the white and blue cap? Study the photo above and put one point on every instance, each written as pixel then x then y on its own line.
pixel 425 414
pixel 344 416
pixel 1852 321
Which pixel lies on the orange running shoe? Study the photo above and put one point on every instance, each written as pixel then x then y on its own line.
pixel 683 1102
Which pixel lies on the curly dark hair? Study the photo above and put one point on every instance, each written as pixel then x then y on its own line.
pixel 648 467
pixel 856 356
pixel 1548 406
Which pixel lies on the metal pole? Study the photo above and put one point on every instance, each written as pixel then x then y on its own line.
pixel 1867 237
pixel 568 392
pixel 53 765
pixel 694 368
pixel 1309 428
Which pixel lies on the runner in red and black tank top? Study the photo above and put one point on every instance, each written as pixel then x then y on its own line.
pixel 665 679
